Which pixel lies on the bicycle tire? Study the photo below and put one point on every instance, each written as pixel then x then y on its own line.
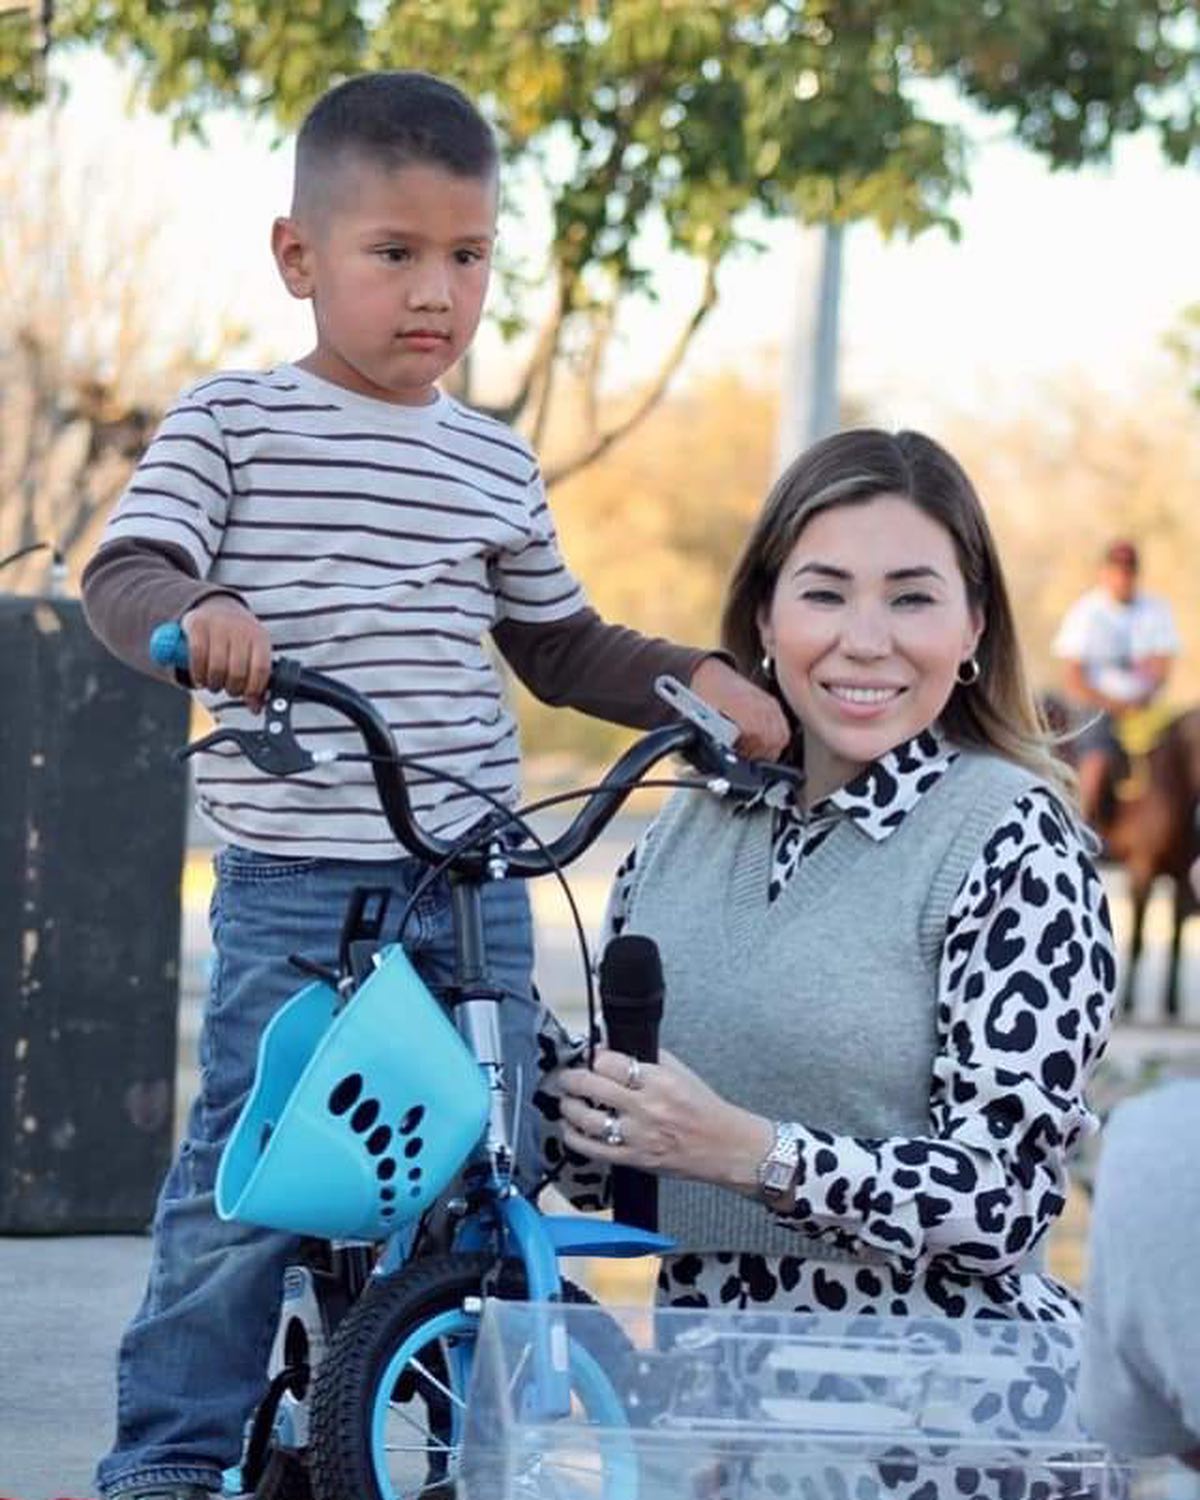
pixel 420 1309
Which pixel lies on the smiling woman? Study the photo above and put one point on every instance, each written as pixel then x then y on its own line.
pixel 867 629
pixel 882 1002
pixel 875 552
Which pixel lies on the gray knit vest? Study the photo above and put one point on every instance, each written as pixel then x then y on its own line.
pixel 820 1007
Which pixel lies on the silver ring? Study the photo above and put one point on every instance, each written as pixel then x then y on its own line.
pixel 613 1135
pixel 634 1079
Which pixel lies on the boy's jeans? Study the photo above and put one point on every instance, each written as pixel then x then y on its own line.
pixel 193 1362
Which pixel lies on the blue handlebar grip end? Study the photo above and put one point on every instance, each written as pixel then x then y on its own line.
pixel 168 645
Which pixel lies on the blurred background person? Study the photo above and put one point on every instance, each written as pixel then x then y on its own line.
pixel 1139 1386
pixel 1117 644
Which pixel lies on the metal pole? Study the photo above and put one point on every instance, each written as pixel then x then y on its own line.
pixel 824 410
pixel 809 405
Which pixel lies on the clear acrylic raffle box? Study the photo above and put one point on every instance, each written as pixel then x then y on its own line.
pixel 676 1404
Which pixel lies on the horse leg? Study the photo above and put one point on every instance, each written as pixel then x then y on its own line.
pixel 1139 892
pixel 1179 911
pixel 1095 773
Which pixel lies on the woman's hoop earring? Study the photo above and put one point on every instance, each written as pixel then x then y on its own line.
pixel 767 665
pixel 968 671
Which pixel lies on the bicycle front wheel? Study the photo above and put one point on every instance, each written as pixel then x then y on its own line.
pixel 390 1395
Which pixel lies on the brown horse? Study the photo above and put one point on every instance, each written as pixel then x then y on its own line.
pixel 1153 831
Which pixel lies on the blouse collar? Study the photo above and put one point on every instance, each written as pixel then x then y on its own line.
pixel 883 794
pixel 879 798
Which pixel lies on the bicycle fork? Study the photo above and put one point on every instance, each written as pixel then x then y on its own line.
pixel 477 1016
pixel 538 1240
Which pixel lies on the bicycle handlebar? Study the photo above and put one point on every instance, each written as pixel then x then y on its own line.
pixel 278 752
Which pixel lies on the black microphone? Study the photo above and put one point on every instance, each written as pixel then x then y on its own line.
pixel 631 1002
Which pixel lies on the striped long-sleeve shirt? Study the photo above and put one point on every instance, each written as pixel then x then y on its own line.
pixel 379 543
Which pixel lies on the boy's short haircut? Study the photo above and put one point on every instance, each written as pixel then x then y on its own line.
pixel 392 120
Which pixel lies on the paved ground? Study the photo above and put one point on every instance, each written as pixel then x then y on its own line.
pixel 64 1301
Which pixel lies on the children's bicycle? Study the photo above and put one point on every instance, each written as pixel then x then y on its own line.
pixel 372 1099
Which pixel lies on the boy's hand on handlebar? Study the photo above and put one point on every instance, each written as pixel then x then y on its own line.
pixel 766 733
pixel 229 649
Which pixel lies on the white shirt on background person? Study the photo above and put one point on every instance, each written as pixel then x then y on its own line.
pixel 1110 637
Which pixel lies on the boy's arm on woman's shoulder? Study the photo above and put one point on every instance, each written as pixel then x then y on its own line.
pixel 131 586
pixel 605 670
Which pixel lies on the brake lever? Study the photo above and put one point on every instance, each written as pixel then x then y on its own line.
pixel 713 753
pixel 274 748
pixel 688 705
pixel 731 775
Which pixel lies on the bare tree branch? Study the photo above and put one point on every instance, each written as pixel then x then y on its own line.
pixel 84 368
pixel 602 328
pixel 537 432
pixel 546 355
pixel 600 442
pixel 543 355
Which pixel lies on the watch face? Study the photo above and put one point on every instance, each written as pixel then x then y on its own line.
pixel 776 1176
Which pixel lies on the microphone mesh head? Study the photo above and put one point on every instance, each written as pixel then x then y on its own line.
pixel 631 966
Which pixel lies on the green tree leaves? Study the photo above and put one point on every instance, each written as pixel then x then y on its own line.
pixel 682 115
pixel 683 107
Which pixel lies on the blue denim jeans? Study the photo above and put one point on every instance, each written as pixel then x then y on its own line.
pixel 192 1363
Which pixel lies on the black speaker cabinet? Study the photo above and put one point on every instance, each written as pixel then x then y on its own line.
pixel 92 819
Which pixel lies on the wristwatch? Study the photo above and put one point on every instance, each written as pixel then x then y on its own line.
pixel 777 1170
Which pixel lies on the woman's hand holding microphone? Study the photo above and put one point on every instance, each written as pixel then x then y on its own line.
pixel 661 1118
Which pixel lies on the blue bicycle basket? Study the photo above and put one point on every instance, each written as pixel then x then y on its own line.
pixel 359 1117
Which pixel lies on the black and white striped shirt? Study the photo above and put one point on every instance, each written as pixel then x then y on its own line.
pixel 377 542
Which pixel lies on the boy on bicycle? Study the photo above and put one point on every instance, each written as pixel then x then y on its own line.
pixel 344 511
